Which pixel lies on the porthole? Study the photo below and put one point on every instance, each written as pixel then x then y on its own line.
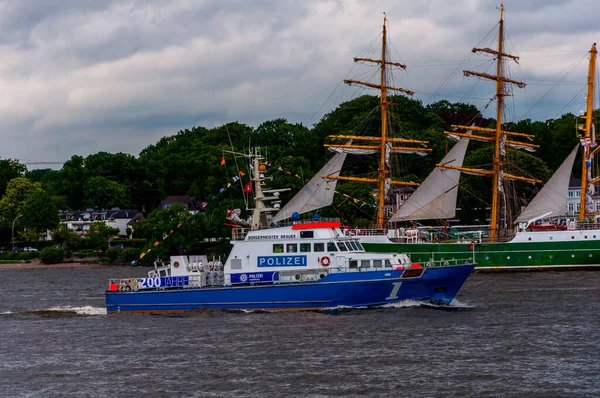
pixel 508 257
pixel 487 258
pixel 585 237
pixel 572 237
pixel 530 257
pixel 590 255
pixel 551 238
pixel 551 257
pixel 572 256
pixel 529 238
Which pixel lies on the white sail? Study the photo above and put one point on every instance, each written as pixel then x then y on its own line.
pixel 435 198
pixel 317 193
pixel 553 196
pixel 414 151
pixel 359 151
pixel 353 151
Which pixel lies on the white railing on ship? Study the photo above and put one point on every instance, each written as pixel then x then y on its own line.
pixel 588 226
pixel 207 278
pixel 239 233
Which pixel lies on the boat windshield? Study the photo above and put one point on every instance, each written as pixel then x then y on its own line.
pixel 342 246
pixel 331 247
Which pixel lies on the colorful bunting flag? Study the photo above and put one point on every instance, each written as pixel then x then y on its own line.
pixel 248 187
pixel 223 160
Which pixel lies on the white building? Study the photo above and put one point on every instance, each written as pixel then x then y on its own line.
pixel 80 221
pixel 574 198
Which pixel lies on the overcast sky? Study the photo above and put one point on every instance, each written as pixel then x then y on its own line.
pixel 84 76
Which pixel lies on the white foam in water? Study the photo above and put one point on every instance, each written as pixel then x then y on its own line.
pixel 86 310
pixel 457 304
pixel 403 304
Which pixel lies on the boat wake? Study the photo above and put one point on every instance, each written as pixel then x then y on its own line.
pixel 454 305
pixel 60 311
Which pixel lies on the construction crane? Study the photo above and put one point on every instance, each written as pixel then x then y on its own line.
pixel 28 162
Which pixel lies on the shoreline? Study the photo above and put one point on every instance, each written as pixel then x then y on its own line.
pixel 38 265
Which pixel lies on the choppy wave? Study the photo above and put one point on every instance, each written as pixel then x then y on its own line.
pixel 59 311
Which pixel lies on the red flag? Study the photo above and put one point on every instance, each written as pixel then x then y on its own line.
pixel 248 187
pixel 223 160
pixel 242 173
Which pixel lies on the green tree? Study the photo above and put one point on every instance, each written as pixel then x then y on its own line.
pixel 9 169
pixel 66 237
pixel 39 211
pixel 72 178
pixel 17 192
pixel 105 194
pixel 98 235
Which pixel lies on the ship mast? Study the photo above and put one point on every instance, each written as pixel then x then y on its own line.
pixel 385 144
pixel 587 139
pixel 497 135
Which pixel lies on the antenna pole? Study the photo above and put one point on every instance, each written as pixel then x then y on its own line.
pixel 496 185
pixel 382 172
pixel 497 136
pixel 587 137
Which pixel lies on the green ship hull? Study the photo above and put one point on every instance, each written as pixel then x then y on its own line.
pixel 505 256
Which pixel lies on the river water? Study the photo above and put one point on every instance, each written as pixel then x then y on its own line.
pixel 506 335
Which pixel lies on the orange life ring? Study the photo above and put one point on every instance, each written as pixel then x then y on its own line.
pixel 176 264
pixel 325 261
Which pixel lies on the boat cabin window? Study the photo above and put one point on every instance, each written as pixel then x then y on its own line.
pixel 319 247
pixel 365 263
pixel 359 246
pixel 305 247
pixel 388 263
pixel 342 246
pixel 163 272
pixel 353 264
pixel 331 247
pixel 351 246
pixel 377 263
pixel 292 248
pixel 307 234
pixel 278 248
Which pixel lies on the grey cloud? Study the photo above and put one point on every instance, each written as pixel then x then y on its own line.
pixel 80 76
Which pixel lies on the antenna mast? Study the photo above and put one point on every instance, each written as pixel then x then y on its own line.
pixel 497 135
pixel 587 139
pixel 385 144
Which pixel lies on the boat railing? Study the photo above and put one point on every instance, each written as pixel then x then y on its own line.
pixel 588 226
pixel 206 278
pixel 444 262
pixel 307 221
pixel 239 233
pixel 364 232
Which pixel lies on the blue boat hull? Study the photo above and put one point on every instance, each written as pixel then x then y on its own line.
pixel 350 289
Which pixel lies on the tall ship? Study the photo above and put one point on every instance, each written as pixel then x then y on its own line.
pixel 310 265
pixel 534 241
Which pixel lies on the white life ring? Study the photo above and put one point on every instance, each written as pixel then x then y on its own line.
pixel 325 261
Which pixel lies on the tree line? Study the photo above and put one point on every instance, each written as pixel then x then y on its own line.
pixel 188 162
